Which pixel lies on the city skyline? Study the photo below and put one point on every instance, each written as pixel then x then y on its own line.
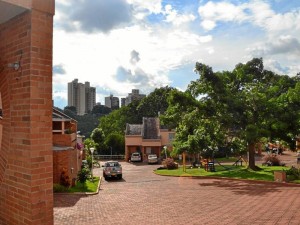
pixel 151 45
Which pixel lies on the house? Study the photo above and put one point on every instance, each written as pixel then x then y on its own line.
pixel 67 150
pixel 147 138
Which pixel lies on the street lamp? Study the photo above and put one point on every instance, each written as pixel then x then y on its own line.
pixel 165 148
pixel 92 151
pixel 110 152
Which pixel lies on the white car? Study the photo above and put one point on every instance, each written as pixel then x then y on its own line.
pixel 112 169
pixel 136 157
pixel 152 158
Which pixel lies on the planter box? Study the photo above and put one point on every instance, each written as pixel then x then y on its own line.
pixel 280 176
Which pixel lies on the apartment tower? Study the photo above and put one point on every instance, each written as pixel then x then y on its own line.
pixel 82 96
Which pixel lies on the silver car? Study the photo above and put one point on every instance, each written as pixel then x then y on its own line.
pixel 152 158
pixel 112 169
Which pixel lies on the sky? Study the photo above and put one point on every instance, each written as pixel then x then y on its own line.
pixel 120 45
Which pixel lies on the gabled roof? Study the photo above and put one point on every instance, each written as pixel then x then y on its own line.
pixel 148 130
pixel 57 115
pixel 133 129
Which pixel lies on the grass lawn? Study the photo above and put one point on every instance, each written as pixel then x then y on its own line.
pixel 88 186
pixel 239 172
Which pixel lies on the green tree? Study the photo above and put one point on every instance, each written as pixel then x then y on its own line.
pixel 243 101
pixel 98 138
pixel 70 111
pixel 116 141
pixel 155 103
pixel 101 110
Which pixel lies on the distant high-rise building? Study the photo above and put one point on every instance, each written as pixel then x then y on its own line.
pixel 134 96
pixel 112 102
pixel 123 100
pixel 82 96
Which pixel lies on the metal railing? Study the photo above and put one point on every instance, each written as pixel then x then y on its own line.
pixel 108 157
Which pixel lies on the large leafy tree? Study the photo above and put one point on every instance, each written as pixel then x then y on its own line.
pixel 230 108
pixel 245 102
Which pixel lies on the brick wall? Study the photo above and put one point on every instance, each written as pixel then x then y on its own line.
pixel 26 166
pixel 65 158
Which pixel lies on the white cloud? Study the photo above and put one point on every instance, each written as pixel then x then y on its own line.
pixel 211 13
pixel 177 19
pixel 263 16
pixel 284 44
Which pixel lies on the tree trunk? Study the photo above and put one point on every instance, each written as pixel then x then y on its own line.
pixel 251 156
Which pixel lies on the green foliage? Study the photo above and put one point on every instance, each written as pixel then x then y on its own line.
pixel 98 138
pixel 239 172
pixel 116 142
pixel 293 173
pixel 58 188
pixel 100 110
pixel 233 109
pixel 83 175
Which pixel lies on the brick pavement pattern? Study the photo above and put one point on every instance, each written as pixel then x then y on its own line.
pixel 145 198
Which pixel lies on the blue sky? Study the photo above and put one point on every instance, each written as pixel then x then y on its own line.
pixel 120 45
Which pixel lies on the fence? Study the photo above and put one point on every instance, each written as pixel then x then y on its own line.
pixel 109 157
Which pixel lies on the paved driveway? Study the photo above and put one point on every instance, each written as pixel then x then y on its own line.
pixel 145 198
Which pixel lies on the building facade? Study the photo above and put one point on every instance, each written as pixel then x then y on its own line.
pixel 112 102
pixel 26 156
pixel 147 138
pixel 134 96
pixel 82 96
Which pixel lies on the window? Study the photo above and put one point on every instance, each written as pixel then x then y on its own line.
pixel 171 136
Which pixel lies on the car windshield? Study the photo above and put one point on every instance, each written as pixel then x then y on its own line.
pixel 152 156
pixel 112 164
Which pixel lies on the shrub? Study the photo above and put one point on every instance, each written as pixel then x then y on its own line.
pixel 170 164
pixel 59 188
pixel 83 175
pixel 293 173
pixel 272 160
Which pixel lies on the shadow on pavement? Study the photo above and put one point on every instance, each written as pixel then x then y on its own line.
pixel 244 187
pixel 67 200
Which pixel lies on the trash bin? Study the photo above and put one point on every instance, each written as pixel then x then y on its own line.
pixel 211 166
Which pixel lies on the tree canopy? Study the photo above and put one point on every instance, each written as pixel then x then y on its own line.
pixel 248 103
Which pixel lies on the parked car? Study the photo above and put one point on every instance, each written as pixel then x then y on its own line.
pixel 112 169
pixel 152 158
pixel 136 157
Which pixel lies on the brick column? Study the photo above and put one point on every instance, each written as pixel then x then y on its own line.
pixel 26 169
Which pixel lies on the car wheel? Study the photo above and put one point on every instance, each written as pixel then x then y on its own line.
pixel 120 176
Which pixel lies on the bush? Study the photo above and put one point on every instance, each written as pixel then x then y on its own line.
pixel 170 164
pixel 57 188
pixel 293 173
pixel 83 175
pixel 272 160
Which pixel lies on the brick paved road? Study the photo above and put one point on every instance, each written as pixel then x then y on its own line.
pixel 145 198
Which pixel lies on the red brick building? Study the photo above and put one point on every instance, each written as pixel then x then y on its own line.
pixel 67 152
pixel 26 155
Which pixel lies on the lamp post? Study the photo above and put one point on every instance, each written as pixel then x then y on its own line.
pixel 92 151
pixel 110 152
pixel 165 148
